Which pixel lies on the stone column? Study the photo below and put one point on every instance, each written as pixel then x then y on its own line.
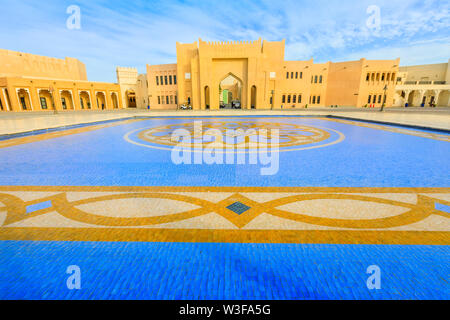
pixel 437 92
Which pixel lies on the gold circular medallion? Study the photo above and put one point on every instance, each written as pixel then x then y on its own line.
pixel 235 136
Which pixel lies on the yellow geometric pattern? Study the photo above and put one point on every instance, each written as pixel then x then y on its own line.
pixel 248 135
pixel 283 214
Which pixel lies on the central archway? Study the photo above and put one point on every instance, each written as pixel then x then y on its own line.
pixel 230 92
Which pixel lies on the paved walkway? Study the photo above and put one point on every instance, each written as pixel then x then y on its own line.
pixel 11 123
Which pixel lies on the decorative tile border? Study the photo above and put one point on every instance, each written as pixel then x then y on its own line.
pixel 205 214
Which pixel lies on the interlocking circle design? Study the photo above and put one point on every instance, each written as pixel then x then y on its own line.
pixel 236 136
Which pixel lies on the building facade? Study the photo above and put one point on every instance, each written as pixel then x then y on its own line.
pixel 211 75
pixel 423 85
pixel 36 83
pixel 208 75
pixel 133 87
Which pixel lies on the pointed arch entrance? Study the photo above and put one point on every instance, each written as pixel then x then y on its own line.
pixel 230 92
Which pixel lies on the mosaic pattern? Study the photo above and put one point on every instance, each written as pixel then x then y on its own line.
pixel 141 227
pixel 297 212
pixel 236 136
pixel 146 270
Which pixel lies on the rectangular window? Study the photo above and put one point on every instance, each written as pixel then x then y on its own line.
pixel 370 98
pixel 292 75
pixel 161 80
pixel 170 80
pixel 165 80
pixel 44 103
pixel 299 98
pixel 167 99
pixel 314 100
pixel 368 77
pixel 287 75
pixel 379 98
pixel 374 100
pixel 296 75
pixel 294 99
pixel 301 75
pixel 176 99
pixel 382 77
pixel 171 99
pixel 315 79
pixel 157 81
pixel 159 100
pixel 174 79
pixel 320 79
pixel 289 99
pixel 283 100
pixel 318 99
pixel 63 102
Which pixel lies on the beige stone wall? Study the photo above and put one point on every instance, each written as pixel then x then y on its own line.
pixel 428 72
pixel 17 64
pixel 351 83
pixel 162 86
pixel 268 81
pixel 36 94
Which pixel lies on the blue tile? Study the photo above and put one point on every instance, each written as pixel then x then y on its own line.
pixel 442 207
pixel 140 270
pixel 238 207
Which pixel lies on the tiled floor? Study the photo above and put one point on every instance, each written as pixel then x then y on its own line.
pixel 108 198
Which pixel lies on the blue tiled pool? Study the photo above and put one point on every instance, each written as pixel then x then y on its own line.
pixel 37 270
pixel 366 158
pixel 50 180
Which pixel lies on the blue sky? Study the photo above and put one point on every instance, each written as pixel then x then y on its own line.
pixel 136 33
